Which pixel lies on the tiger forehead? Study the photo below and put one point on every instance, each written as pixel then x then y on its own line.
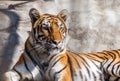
pixel 50 17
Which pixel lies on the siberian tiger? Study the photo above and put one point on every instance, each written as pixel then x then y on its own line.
pixel 45 57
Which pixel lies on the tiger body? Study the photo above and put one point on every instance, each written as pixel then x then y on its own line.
pixel 45 57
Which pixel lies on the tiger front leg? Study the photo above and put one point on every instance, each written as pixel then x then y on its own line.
pixel 11 76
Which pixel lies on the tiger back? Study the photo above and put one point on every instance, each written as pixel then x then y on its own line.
pixel 45 57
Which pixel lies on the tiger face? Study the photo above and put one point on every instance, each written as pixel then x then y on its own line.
pixel 49 31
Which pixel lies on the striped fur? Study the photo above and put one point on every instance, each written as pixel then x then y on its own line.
pixel 45 57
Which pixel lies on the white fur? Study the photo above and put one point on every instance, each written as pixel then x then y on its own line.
pixel 11 76
pixel 24 72
pixel 34 69
pixel 55 69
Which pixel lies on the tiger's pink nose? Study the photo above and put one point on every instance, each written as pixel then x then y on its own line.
pixel 56 42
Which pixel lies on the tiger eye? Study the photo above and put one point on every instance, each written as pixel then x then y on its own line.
pixel 41 37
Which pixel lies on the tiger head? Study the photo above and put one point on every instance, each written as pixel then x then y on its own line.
pixel 49 31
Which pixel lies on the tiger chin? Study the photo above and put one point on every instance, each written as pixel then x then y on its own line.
pixel 45 57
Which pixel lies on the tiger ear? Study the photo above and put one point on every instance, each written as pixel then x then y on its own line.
pixel 34 15
pixel 63 14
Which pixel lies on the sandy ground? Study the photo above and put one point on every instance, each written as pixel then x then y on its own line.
pixel 93 26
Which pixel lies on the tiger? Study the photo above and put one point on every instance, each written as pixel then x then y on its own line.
pixel 46 57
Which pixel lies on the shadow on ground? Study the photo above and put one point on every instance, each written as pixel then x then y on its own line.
pixel 10 39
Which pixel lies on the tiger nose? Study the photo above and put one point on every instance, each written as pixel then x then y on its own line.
pixel 56 42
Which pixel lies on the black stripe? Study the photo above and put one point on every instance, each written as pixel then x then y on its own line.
pixel 85 63
pixel 105 61
pixel 29 55
pixel 107 77
pixel 95 64
pixel 113 58
pixel 76 61
pixel 52 57
pixel 111 54
pixel 70 65
pixel 104 53
pixel 55 63
pixel 94 77
pixel 117 51
pixel 18 73
pixel 59 72
pixel 118 66
pixel 34 62
pixel 33 33
pixel 113 69
pixel 27 67
pixel 83 59
pixel 81 74
pixel 37 29
pixel 94 57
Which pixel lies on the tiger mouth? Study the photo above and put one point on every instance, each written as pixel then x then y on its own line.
pixel 51 47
